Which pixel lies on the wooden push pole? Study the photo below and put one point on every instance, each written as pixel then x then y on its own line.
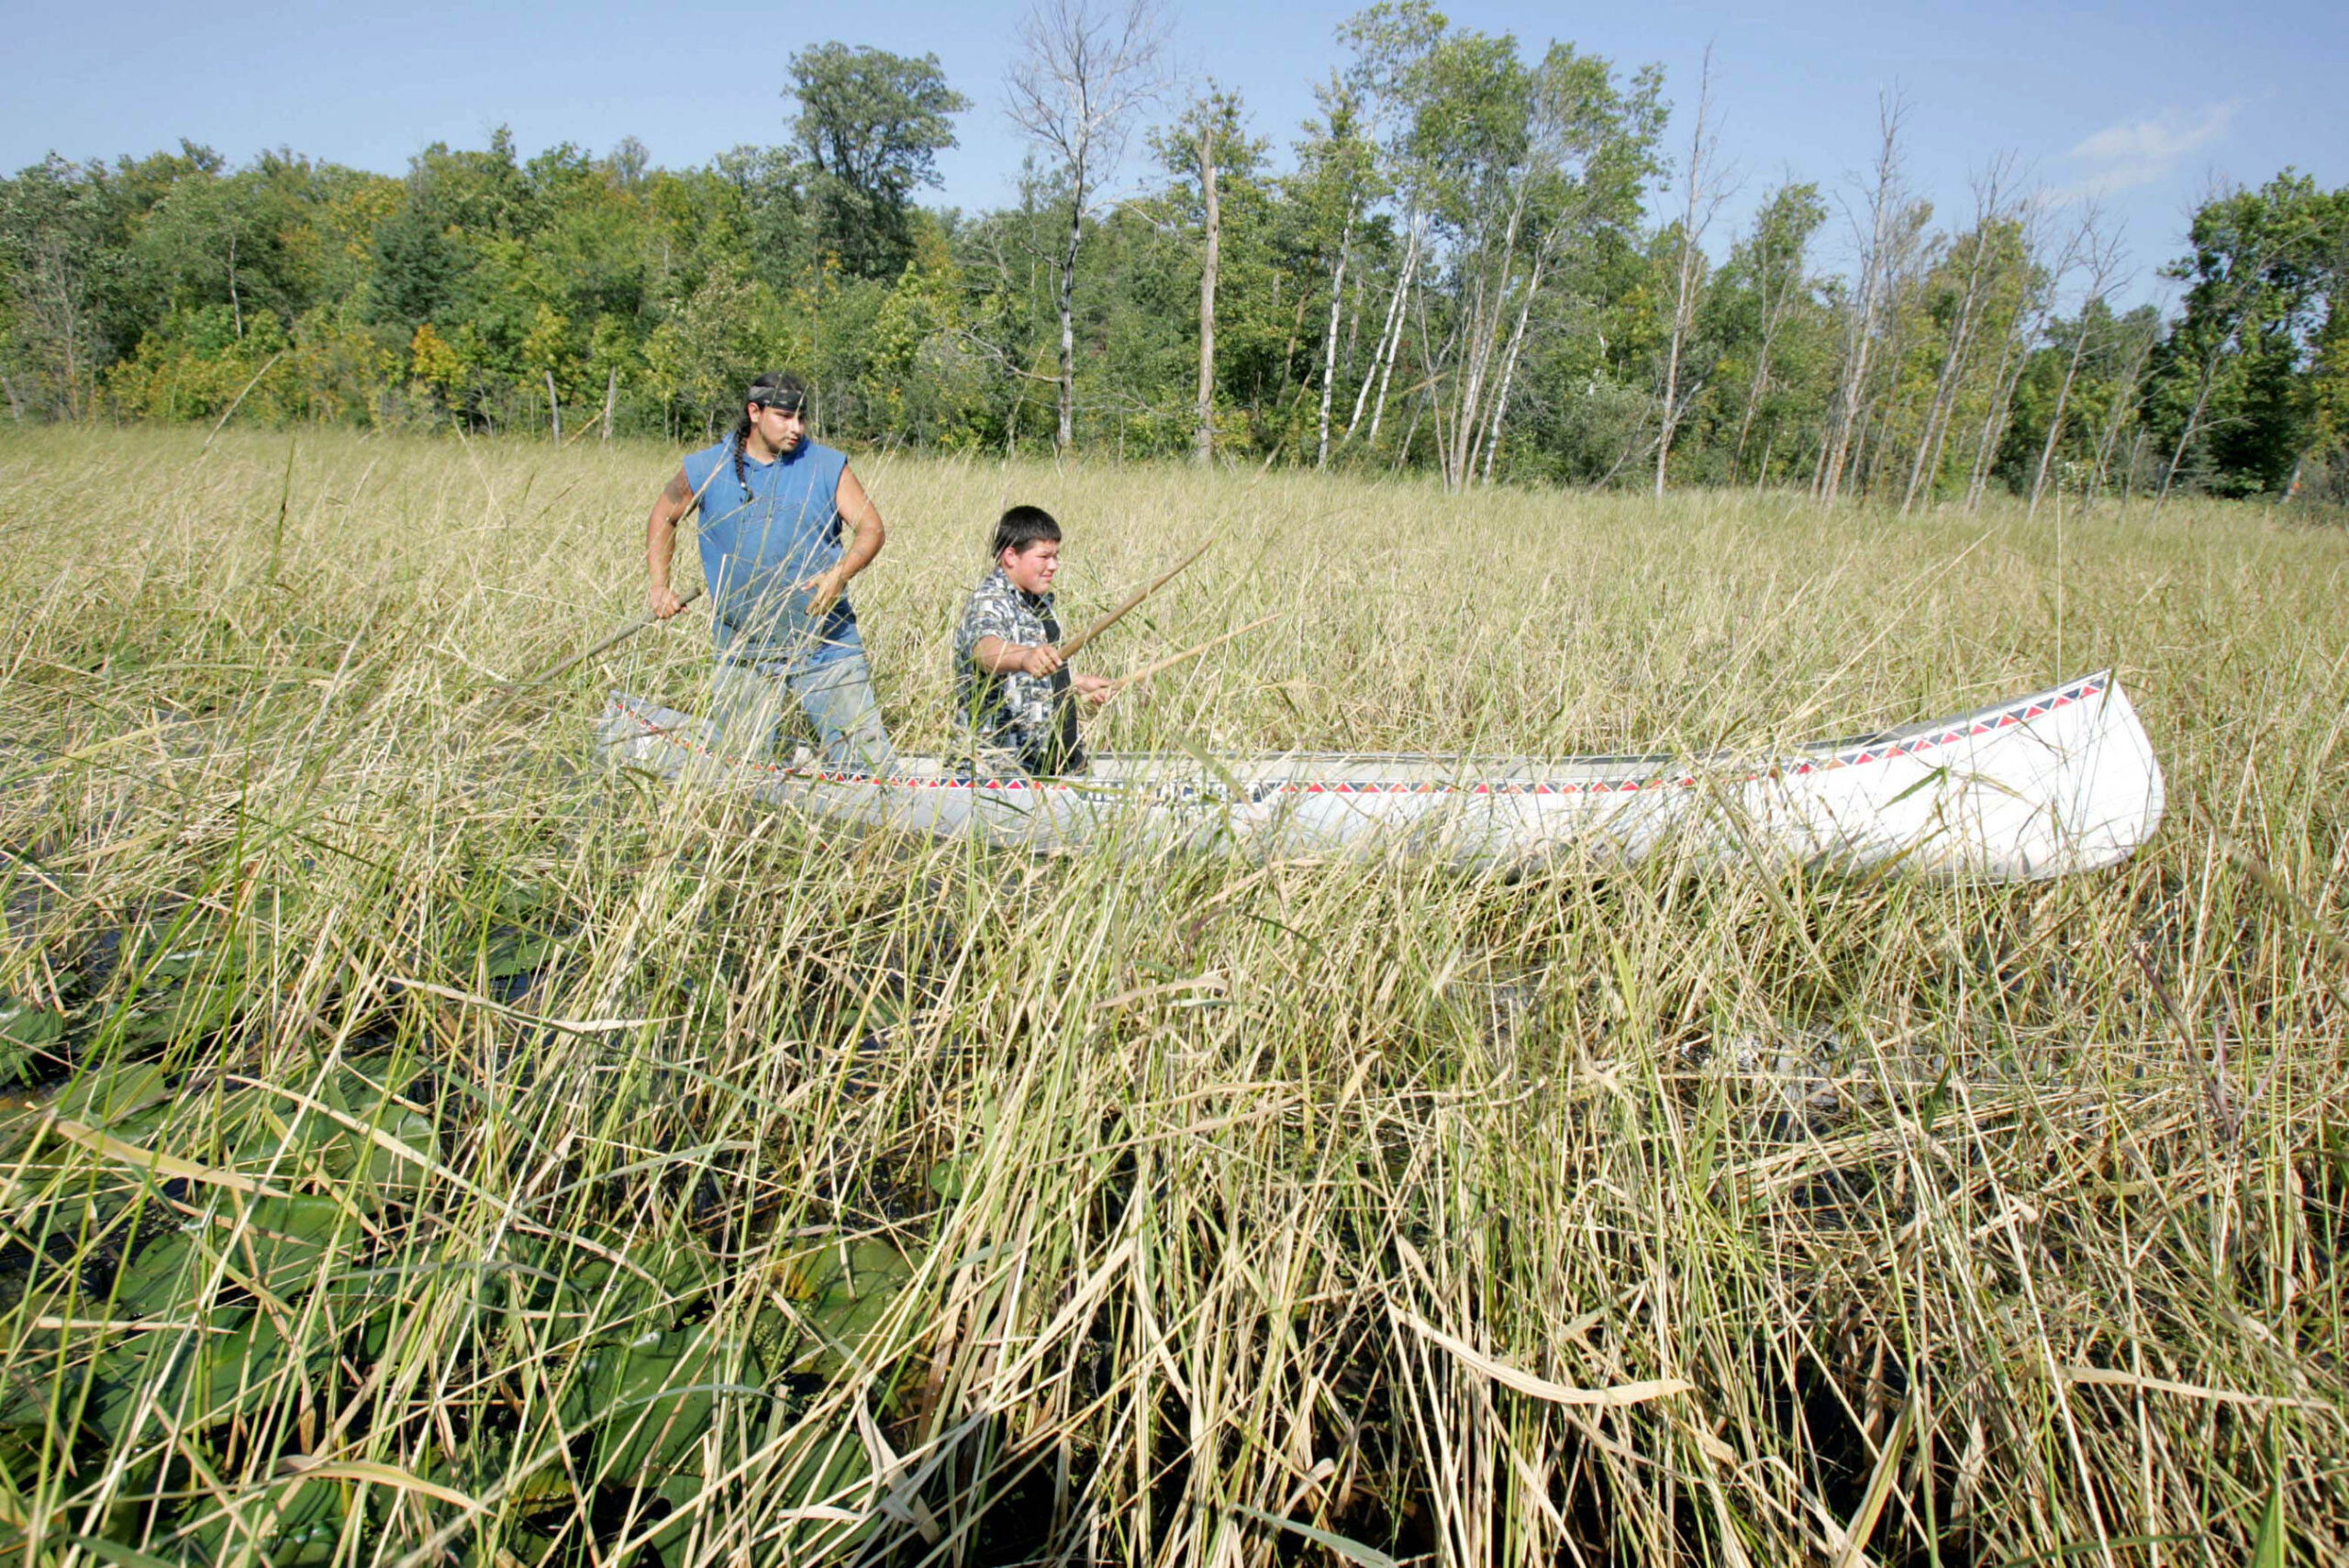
pixel 1147 671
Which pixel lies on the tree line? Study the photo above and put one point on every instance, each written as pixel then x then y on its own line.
pixel 1488 261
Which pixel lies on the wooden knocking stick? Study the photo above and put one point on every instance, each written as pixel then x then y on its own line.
pixel 631 629
pixel 1068 649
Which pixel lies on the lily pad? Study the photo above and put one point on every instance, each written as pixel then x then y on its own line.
pixel 326 1142
pixel 305 1522
pixel 109 1096
pixel 277 1245
pixel 511 951
pixel 839 1294
pixel 25 1030
pixel 949 1177
pixel 653 1397
pixel 27 1025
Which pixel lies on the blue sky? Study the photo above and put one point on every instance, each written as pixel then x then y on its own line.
pixel 2142 104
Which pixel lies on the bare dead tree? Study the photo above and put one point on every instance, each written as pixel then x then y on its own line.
pixel 2102 257
pixel 2137 353
pixel 1084 70
pixel 1883 207
pixel 2032 302
pixel 1885 406
pixel 1203 437
pixel 1705 192
pixel 1993 198
pixel 1776 305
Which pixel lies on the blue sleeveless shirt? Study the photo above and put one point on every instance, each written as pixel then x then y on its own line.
pixel 758 545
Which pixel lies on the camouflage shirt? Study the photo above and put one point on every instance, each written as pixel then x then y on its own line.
pixel 1008 712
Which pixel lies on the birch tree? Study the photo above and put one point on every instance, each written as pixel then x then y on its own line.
pixel 1499 169
pixel 1592 148
pixel 1474 154
pixel 1391 43
pixel 1335 183
pixel 1203 434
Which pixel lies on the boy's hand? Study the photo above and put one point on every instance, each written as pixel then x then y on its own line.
pixel 1040 659
pixel 1094 689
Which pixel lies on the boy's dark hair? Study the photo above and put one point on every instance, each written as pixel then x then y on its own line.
pixel 1022 526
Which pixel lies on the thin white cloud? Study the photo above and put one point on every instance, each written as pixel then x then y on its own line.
pixel 2140 153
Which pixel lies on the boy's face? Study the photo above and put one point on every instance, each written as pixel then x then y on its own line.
pixel 1032 569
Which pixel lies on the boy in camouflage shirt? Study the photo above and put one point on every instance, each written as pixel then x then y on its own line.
pixel 1014 696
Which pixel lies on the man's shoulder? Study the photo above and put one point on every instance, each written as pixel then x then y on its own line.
pixel 699 465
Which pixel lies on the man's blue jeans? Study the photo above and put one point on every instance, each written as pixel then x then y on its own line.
pixel 749 703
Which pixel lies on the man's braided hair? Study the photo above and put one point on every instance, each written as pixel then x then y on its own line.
pixel 775 386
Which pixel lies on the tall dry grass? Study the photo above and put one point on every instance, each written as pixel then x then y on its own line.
pixel 440 1149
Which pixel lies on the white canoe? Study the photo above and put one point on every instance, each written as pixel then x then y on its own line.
pixel 2060 782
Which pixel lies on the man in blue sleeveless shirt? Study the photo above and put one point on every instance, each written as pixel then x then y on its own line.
pixel 773 503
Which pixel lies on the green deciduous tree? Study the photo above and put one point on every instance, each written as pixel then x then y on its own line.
pixel 63 247
pixel 870 126
pixel 1764 314
pixel 1457 270
pixel 2232 389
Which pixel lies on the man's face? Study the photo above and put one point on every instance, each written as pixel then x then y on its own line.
pixel 782 431
pixel 1032 569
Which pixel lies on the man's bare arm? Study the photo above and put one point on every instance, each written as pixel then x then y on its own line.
pixel 676 498
pixel 865 537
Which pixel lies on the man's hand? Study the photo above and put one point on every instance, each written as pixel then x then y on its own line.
pixel 663 602
pixel 1040 659
pixel 824 590
pixel 1094 689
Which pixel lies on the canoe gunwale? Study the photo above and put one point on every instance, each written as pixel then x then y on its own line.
pixel 1614 772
